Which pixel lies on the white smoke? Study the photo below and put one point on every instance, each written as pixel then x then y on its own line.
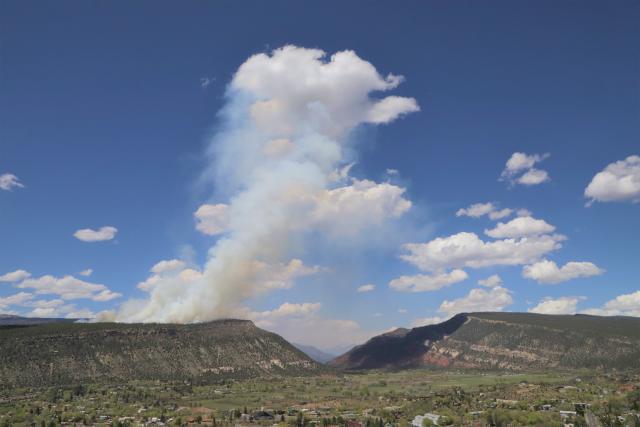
pixel 281 161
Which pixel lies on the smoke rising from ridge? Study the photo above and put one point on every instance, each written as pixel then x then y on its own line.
pixel 281 160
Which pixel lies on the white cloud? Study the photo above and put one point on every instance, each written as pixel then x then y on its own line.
pixel 425 321
pixel 520 227
pixel 366 288
pixel 390 108
pixel 622 305
pixel 15 299
pixel 333 96
pixel 168 265
pixel 403 311
pixel 480 209
pixel 618 182
pixel 476 210
pixel 533 177
pixel 212 219
pixel 491 281
pixel 423 282
pixel 86 273
pixel 468 250
pixel 546 271
pixel 101 235
pixel 68 287
pixel 494 299
pixel 520 169
pixel 9 181
pixel 523 212
pixel 15 276
pixel 289 310
pixel 562 305
pixel 519 162
pixel 502 213
pixel 57 308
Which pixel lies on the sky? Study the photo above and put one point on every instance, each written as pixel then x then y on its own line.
pixel 328 170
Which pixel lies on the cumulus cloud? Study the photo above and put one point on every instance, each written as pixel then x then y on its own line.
pixel 15 276
pixel 618 182
pixel 212 219
pixel 546 271
pixel 68 288
pixel 494 299
pixel 520 227
pixel 476 210
pixel 468 250
pixel 520 169
pixel 491 281
pixel 15 299
pixel 423 282
pixel 57 308
pixel 390 108
pixel 101 235
pixel 9 181
pixel 533 177
pixel 333 96
pixel 86 273
pixel 622 305
pixel 562 305
pixel 366 288
pixel 286 128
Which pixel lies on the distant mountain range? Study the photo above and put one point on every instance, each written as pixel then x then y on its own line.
pixel 60 351
pixel 505 341
pixel 67 353
pixel 315 353
pixel 11 320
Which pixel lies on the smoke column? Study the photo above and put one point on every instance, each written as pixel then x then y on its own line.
pixel 280 158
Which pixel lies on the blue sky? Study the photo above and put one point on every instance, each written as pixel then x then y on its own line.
pixel 108 111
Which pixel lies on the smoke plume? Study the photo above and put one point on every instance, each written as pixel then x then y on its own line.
pixel 279 165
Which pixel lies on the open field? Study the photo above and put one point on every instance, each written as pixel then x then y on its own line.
pixel 344 399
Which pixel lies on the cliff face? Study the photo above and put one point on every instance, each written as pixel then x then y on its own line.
pixel 513 341
pixel 62 353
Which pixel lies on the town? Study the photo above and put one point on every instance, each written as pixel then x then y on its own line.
pixel 417 398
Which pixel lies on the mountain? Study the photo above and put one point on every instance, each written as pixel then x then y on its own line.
pixel 512 341
pixel 65 353
pixel 314 353
pixel 9 319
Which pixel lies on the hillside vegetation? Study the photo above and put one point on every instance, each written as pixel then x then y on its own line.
pixel 513 341
pixel 65 353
